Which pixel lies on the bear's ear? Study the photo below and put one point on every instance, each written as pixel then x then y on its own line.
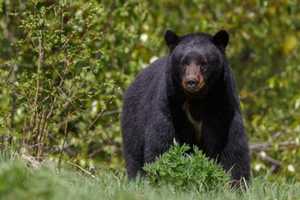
pixel 171 39
pixel 221 39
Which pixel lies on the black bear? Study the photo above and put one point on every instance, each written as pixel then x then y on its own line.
pixel 189 96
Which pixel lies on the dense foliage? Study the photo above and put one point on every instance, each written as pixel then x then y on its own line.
pixel 65 64
pixel 186 170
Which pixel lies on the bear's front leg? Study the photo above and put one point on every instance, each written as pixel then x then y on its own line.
pixel 235 157
pixel 159 137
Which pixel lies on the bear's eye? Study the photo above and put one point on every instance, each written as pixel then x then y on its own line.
pixel 203 68
pixel 203 61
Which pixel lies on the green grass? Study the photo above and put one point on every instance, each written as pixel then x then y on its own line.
pixel 18 181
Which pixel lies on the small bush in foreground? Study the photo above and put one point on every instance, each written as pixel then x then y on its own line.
pixel 184 170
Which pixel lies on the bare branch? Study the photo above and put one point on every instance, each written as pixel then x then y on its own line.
pixel 276 165
pixel 283 145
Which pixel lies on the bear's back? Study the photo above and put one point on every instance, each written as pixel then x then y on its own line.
pixel 146 82
pixel 139 95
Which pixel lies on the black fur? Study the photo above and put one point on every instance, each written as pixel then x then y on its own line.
pixel 153 112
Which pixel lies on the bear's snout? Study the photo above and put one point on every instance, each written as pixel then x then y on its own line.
pixel 193 85
pixel 193 80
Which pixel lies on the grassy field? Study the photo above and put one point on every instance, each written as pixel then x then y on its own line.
pixel 21 181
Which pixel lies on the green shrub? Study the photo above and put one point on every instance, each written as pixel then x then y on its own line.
pixel 186 170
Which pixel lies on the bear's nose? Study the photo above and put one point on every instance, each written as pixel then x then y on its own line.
pixel 192 83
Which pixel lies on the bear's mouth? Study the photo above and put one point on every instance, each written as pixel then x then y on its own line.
pixel 193 88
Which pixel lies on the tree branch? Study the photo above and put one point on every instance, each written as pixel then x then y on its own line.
pixel 276 165
pixel 265 146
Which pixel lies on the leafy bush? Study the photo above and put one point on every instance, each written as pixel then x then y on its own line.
pixel 186 170
pixel 62 76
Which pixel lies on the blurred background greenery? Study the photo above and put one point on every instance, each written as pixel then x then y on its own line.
pixel 64 65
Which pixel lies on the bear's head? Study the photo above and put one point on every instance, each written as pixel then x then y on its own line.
pixel 197 60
